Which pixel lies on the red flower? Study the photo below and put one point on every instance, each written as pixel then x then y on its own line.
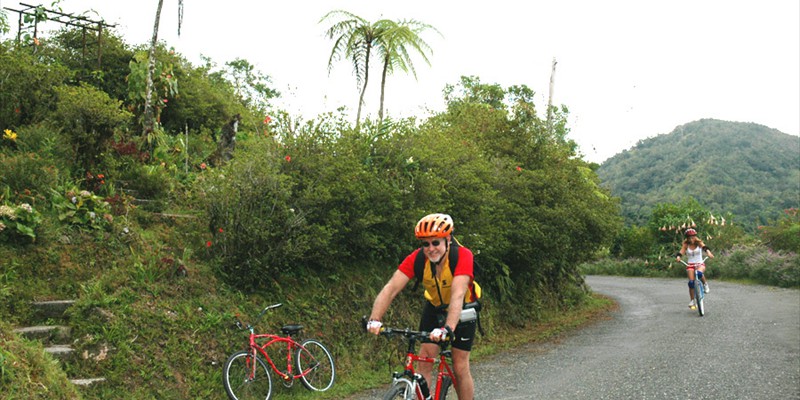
pixel 165 101
pixel 519 169
pixel 202 165
pixel 16 110
pixel 267 119
pixel 288 158
pixel 208 243
pixel 220 230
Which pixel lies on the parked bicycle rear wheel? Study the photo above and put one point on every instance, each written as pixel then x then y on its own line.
pixel 315 363
pixel 699 295
pixel 401 391
pixel 238 382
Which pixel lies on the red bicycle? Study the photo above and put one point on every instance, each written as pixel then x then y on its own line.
pixel 408 384
pixel 246 374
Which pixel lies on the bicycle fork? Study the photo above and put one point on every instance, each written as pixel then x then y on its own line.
pixel 415 384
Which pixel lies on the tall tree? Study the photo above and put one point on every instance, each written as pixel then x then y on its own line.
pixel 149 115
pixel 395 43
pixel 354 39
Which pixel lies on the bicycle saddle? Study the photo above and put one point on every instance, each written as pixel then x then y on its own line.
pixel 291 329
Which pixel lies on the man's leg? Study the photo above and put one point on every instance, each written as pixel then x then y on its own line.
pixel 424 368
pixel 465 387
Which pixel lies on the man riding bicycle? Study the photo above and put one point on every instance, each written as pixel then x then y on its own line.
pixel 447 289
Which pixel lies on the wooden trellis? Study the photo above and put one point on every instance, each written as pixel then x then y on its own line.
pixel 89 27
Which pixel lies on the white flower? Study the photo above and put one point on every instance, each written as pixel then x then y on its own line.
pixel 27 207
pixel 6 211
pixel 2 226
pixel 92 215
pixel 74 199
pixel 410 160
pixel 85 193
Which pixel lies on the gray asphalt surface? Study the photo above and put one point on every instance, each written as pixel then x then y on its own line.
pixel 746 347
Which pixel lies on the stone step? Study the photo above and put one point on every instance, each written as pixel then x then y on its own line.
pixel 61 352
pixel 47 334
pixel 87 381
pixel 52 308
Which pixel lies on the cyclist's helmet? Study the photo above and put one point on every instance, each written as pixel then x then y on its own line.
pixel 434 226
pixel 691 232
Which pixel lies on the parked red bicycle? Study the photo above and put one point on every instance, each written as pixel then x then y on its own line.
pixel 246 374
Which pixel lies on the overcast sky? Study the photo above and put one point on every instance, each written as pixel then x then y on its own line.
pixel 627 70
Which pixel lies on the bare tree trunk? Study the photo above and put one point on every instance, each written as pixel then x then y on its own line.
pixel 363 89
pixel 550 98
pixel 383 88
pixel 149 115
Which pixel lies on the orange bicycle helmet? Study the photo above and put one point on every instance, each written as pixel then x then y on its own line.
pixel 434 226
pixel 691 232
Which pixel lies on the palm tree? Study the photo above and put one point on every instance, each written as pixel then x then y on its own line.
pixel 355 38
pixel 395 43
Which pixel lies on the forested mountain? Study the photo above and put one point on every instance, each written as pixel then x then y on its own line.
pixel 745 170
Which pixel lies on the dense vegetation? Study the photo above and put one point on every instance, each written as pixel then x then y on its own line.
pixel 745 172
pixel 162 236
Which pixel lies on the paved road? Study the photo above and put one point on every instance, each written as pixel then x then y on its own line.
pixel 746 347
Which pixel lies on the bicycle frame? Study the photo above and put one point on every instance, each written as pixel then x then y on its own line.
pixel 409 376
pixel 291 346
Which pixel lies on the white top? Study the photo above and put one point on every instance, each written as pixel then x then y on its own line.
pixel 695 256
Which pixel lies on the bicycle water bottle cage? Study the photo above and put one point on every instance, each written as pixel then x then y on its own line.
pixel 291 329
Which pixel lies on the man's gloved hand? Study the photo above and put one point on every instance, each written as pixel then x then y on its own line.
pixel 374 326
pixel 440 334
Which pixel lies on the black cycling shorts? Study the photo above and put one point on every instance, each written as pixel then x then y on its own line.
pixel 433 318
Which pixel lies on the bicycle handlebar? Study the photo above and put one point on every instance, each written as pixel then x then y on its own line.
pixel 684 263
pixel 405 332
pixel 240 324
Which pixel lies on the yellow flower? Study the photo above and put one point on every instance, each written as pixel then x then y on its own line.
pixel 9 135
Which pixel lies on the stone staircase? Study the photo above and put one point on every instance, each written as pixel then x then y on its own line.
pixel 57 339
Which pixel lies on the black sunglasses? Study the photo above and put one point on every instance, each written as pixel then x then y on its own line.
pixel 432 242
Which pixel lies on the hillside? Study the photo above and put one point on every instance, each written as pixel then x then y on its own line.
pixel 746 170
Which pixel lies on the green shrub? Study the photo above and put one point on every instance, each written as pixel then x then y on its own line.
pixel 18 222
pixel 81 208
pixel 760 264
pixel 89 118
pixel 785 233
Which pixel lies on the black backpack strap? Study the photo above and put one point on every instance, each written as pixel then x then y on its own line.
pixel 419 268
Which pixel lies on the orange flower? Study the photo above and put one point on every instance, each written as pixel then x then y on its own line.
pixel 202 165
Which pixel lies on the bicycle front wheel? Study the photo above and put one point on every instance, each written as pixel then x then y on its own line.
pixel 315 366
pixel 242 381
pixel 401 391
pixel 699 295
